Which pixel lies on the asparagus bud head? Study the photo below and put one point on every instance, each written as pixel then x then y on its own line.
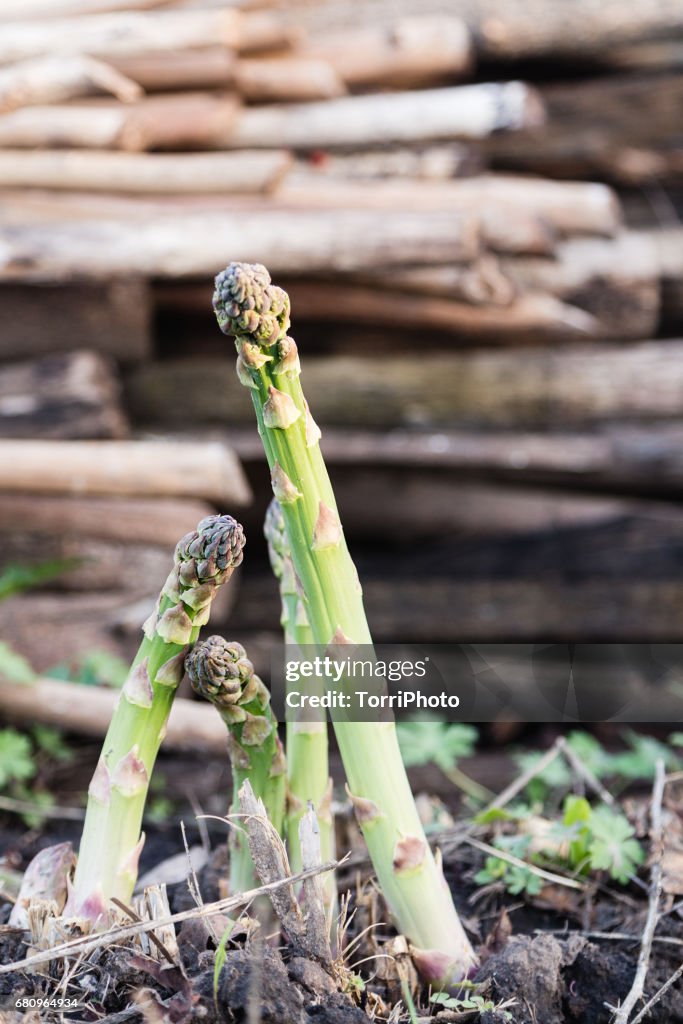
pixel 209 553
pixel 220 671
pixel 246 303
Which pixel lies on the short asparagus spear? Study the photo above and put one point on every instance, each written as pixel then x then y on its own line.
pixel 307 754
pixel 221 672
pixel 111 841
pixel 253 310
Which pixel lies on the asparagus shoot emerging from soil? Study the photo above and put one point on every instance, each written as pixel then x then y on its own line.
pixel 111 842
pixel 221 672
pixel 307 755
pixel 256 312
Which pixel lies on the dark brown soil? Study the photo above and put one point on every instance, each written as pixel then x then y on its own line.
pixel 553 979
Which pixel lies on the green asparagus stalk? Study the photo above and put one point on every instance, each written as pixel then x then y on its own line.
pixel 221 672
pixel 111 842
pixel 307 748
pixel 256 313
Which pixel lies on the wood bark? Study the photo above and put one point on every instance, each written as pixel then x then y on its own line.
pixel 175 121
pixel 152 174
pixel 296 78
pixel 20 10
pixel 159 522
pixel 567 207
pixel 531 315
pixel 125 33
pixel 669 245
pixel 437 609
pixel 55 79
pixel 411 52
pixel 113 319
pixel 90 565
pixel 422 163
pixel 143 468
pixel 187 245
pixel 518 29
pixel 637 460
pixel 87 710
pixel 557 387
pixel 622 128
pixel 206 67
pixel 74 395
pixel 465 112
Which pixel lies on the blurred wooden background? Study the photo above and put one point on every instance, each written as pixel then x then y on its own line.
pixel 476 210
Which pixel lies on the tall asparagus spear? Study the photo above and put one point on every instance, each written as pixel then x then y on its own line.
pixel 111 841
pixel 307 754
pixel 221 672
pixel 256 313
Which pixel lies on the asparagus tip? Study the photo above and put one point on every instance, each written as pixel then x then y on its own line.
pixel 219 670
pixel 247 303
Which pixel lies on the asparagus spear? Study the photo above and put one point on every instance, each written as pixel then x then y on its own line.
pixel 307 754
pixel 256 313
pixel 111 841
pixel 221 672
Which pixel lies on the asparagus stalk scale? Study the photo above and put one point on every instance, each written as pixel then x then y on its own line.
pixel 307 754
pixel 256 313
pixel 221 672
pixel 111 841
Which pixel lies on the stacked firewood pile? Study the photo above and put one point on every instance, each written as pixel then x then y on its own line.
pixel 474 205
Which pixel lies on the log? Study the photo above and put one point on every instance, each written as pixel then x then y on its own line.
pixel 87 710
pixel 158 522
pixel 55 79
pixel 617 281
pixel 140 468
pixel 153 174
pixel 64 396
pixel 431 163
pixel 207 67
pixel 277 79
pixel 520 29
pixel 20 10
pixel 436 609
pixel 112 318
pixel 530 316
pixel 635 460
pixel 567 207
pixel 460 112
pixel 623 128
pixel 668 243
pixel 409 53
pixel 175 121
pixel 377 502
pixel 123 33
pixel 558 387
pixel 91 566
pixel 195 245
pixel 56 628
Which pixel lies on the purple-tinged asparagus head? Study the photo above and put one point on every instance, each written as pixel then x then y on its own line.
pixel 220 671
pixel 246 303
pixel 211 552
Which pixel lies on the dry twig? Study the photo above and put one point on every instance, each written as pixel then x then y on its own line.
pixel 87 943
pixel 623 1012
